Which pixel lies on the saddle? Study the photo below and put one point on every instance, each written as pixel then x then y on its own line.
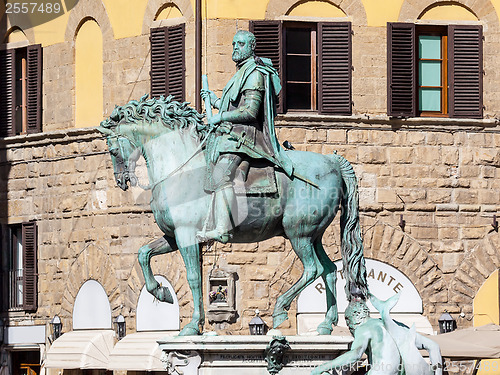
pixel 258 177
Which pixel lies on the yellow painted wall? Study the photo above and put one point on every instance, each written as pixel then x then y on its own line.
pixel 378 13
pixel 486 310
pixel 88 71
pixel 486 302
pixel 234 9
pixel 126 16
pixel 316 9
pixel 448 13
pixel 170 11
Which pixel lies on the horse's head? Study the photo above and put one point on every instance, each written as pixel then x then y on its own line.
pixel 121 148
pixel 132 125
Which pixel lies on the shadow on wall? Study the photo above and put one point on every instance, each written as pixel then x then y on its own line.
pixel 4 174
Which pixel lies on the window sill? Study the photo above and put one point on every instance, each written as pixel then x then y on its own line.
pixel 314 119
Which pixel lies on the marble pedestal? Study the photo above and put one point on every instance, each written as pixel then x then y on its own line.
pixel 244 355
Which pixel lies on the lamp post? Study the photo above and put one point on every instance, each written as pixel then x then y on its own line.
pixel 257 325
pixel 446 323
pixel 120 326
pixel 56 326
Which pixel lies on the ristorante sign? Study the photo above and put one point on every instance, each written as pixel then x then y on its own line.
pixel 383 281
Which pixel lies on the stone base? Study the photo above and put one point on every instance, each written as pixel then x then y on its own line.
pixel 245 355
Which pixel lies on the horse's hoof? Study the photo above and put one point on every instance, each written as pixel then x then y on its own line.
pixel 164 295
pixel 189 331
pixel 323 329
pixel 279 318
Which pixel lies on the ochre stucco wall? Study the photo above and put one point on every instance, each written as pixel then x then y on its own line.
pixel 88 75
pixel 486 303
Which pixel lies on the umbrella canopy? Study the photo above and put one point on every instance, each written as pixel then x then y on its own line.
pixel 470 343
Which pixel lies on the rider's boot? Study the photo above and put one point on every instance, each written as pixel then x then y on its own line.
pixel 224 201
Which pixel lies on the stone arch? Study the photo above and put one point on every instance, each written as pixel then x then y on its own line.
pixel 477 265
pixel 482 9
pixel 11 31
pixel 154 7
pixel 9 28
pixel 432 6
pixel 388 243
pixel 353 8
pixel 92 263
pixel 82 12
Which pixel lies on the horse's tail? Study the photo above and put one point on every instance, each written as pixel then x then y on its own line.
pixel 350 231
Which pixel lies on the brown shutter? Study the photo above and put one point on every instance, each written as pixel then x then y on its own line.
pixel 401 70
pixel 34 89
pixel 30 266
pixel 269 37
pixel 334 68
pixel 465 65
pixel 167 61
pixel 175 62
pixel 7 93
pixel 158 62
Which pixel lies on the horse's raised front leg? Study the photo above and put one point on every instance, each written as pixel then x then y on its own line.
pixel 190 251
pixel 162 245
pixel 304 249
pixel 330 278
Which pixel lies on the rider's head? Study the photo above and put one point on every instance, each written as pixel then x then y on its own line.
pixel 243 45
pixel 356 314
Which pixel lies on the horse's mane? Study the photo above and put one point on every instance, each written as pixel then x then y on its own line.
pixel 173 114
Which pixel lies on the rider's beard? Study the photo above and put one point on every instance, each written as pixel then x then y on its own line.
pixel 239 56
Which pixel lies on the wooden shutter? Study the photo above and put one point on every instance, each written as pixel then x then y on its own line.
pixel 168 61
pixel 334 68
pixel 29 233
pixel 401 70
pixel 465 66
pixel 158 62
pixel 7 92
pixel 34 89
pixel 269 37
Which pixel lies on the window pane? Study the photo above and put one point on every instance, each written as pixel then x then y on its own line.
pixel 298 68
pixel 430 73
pixel 298 41
pixel 429 47
pixel 298 95
pixel 430 99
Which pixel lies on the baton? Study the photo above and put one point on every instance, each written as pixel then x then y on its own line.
pixel 208 105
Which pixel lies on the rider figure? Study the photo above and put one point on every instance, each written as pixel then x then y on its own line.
pixel 244 129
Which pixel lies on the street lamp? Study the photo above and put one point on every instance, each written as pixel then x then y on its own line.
pixel 257 325
pixel 447 323
pixel 120 326
pixel 56 326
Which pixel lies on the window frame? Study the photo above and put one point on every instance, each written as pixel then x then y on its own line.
pixel 314 64
pixel 31 87
pixel 9 267
pixel 465 79
pixel 431 30
pixel 334 64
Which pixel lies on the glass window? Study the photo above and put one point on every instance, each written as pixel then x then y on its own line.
pixel 431 74
pixel 300 68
